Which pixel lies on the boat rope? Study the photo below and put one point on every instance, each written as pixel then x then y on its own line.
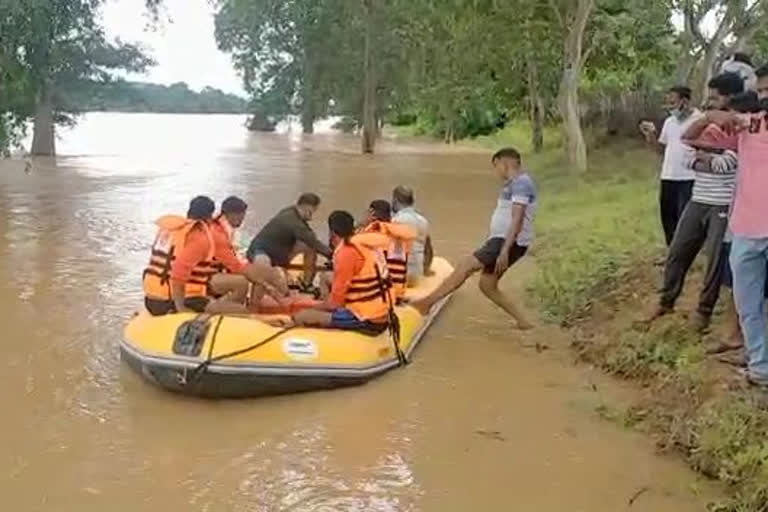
pixel 200 369
pixel 393 320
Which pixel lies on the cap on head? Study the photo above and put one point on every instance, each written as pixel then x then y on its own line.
pixel 201 208
pixel 341 223
pixel 403 195
pixel 308 199
pixel 381 210
pixel 233 204
pixel 506 153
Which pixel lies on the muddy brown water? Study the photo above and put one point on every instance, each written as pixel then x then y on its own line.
pixel 479 421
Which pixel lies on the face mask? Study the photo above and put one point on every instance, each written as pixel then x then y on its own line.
pixel 676 112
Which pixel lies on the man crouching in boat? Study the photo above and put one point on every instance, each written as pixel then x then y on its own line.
pixel 360 298
pixel 401 238
pixel 182 275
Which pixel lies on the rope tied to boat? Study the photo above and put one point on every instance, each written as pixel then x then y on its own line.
pixel 201 368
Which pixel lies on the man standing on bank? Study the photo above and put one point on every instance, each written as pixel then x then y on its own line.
pixel 676 178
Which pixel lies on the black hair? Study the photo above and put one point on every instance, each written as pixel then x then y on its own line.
pixel 506 153
pixel 727 84
pixel 403 195
pixel 201 208
pixel 762 71
pixel 309 199
pixel 381 209
pixel 234 204
pixel 341 223
pixel 682 90
pixel 742 57
pixel 745 103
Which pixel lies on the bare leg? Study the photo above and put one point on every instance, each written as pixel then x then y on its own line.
pixel 263 273
pixel 233 289
pixel 313 318
pixel 324 283
pixel 463 271
pixel 489 285
pixel 310 262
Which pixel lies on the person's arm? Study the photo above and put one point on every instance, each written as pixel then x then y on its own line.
pixel 696 129
pixel 344 266
pixel 304 233
pixel 195 250
pixel 518 215
pixel 727 163
pixel 429 255
pixel 648 129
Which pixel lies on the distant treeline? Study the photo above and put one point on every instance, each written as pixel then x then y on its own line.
pixel 126 96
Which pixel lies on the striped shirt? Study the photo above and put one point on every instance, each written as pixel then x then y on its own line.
pixel 716 187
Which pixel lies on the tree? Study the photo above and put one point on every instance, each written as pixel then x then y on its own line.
pixel 573 17
pixel 59 46
pixel 736 24
pixel 370 124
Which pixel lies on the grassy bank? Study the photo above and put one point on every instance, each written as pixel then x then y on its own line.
pixel 600 238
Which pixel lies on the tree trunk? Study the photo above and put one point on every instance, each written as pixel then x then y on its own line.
pixel 536 106
pixel 369 101
pixel 307 97
pixel 574 57
pixel 576 147
pixel 308 116
pixel 44 137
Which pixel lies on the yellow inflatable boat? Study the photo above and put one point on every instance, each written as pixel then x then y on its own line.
pixel 230 356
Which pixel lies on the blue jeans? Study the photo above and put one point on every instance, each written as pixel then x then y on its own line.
pixel 748 262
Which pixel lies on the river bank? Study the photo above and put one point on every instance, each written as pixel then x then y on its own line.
pixel 598 275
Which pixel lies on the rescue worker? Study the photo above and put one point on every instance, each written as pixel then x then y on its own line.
pixel 182 272
pixel 401 238
pixel 360 298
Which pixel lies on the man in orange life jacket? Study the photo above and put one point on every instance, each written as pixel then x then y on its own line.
pixel 360 298
pixel 182 274
pixel 401 239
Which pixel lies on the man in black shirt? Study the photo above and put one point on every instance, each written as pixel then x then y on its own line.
pixel 289 234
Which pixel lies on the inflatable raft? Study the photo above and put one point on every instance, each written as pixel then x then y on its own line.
pixel 230 356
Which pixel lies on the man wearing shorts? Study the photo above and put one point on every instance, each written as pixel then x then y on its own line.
pixel 510 235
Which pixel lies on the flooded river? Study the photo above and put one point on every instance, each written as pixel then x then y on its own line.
pixel 478 422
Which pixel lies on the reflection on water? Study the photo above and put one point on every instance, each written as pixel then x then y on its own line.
pixel 81 433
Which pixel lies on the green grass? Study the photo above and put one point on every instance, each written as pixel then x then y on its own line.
pixel 597 232
pixel 593 227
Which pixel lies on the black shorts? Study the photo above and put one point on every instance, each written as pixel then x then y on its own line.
pixel 166 307
pixel 489 253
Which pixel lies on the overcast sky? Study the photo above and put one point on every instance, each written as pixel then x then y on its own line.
pixel 184 48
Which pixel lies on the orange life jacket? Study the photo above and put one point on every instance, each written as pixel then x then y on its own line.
pixel 398 250
pixel 369 295
pixel 171 237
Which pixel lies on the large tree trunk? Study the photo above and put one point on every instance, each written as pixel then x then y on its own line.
pixel 369 101
pixel 536 106
pixel 44 137
pixel 307 97
pixel 576 147
pixel 575 24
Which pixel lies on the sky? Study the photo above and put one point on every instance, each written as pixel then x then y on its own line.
pixel 184 47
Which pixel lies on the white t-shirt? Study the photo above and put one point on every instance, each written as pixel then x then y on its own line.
pixel 410 217
pixel 677 154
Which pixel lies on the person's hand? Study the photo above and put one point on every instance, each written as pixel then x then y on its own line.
pixel 731 122
pixel 502 262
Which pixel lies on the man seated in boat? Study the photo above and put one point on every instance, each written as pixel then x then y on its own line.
pixel 287 235
pixel 360 298
pixel 182 273
pixel 422 253
pixel 401 238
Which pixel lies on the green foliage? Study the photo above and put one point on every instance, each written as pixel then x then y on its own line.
pixel 125 96
pixel 598 226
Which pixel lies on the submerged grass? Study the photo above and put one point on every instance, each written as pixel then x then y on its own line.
pixel 600 236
